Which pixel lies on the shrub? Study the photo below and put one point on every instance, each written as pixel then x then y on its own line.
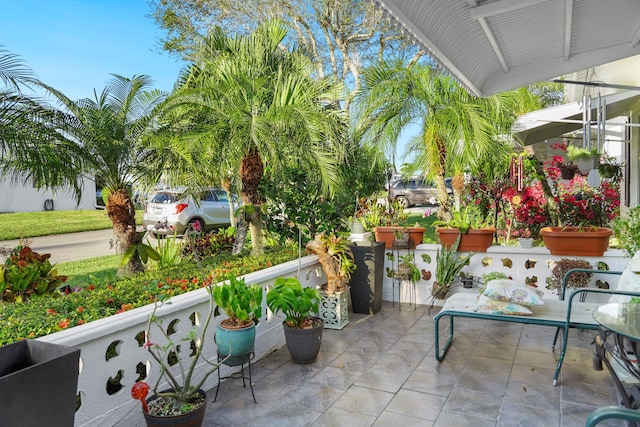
pixel 26 273
pixel 211 243
pixel 50 313
pixel 627 231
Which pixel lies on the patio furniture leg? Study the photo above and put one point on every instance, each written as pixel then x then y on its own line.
pixel 565 338
pixel 555 339
pixel 440 357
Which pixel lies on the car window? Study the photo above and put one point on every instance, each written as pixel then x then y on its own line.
pixel 221 195
pixel 207 196
pixel 165 197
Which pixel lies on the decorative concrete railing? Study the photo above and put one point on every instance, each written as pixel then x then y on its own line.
pixel 515 262
pixel 112 356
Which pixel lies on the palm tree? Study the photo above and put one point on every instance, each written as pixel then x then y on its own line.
pixel 102 137
pixel 457 129
pixel 257 104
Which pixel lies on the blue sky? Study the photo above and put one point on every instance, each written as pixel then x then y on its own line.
pixel 75 45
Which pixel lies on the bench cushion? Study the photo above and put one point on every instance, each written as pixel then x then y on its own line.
pixel 513 292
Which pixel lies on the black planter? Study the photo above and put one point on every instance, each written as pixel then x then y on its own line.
pixel 38 384
pixel 190 419
pixel 303 344
pixel 366 280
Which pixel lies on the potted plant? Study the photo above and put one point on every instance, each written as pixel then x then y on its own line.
pixel 449 264
pixel 468 228
pixel 182 402
pixel 388 219
pixel 609 167
pixel 575 280
pixel 302 331
pixel 336 259
pixel 584 158
pixel 582 240
pixel 235 335
pixel 407 269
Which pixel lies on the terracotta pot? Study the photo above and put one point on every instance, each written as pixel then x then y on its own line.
pixel 582 241
pixel 474 240
pixel 387 235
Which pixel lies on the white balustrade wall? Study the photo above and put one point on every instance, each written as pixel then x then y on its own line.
pixel 115 337
pixel 109 348
pixel 515 262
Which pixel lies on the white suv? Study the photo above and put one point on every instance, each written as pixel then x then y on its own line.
pixel 170 211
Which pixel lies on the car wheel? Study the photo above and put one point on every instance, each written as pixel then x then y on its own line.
pixel 403 202
pixel 196 226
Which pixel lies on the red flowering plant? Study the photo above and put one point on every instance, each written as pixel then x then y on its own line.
pixel 581 205
pixel 529 209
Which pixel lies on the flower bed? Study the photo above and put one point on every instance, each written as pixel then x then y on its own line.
pixel 53 312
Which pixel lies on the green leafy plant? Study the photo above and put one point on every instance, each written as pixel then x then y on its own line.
pixel 242 303
pixel 463 219
pixel 627 230
pixel 575 280
pixel 292 300
pixel 406 263
pixel 170 252
pixel 576 153
pixel 494 275
pixel 144 250
pixel 26 273
pixel 210 244
pixel 449 264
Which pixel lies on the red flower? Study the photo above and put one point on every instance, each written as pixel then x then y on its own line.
pixel 81 322
pixel 91 287
pixel 63 324
pixel 80 309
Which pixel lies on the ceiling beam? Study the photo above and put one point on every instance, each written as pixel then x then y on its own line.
pixel 568 22
pixel 501 6
pixel 492 40
pixel 636 37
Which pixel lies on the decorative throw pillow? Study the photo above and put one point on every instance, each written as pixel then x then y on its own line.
pixel 512 291
pixel 491 306
pixel 629 280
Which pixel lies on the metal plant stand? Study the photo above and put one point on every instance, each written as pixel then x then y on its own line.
pixel 237 360
pixel 401 279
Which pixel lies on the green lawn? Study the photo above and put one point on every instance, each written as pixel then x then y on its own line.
pixel 34 224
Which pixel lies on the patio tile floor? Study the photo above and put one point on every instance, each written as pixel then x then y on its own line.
pixel 381 370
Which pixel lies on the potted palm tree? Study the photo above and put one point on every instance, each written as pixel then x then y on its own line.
pixel 336 258
pixel 302 331
pixel 235 335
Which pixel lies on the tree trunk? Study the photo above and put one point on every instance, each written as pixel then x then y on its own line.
pixel 251 171
pixel 122 213
pixel 226 186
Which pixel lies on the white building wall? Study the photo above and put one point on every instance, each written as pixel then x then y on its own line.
pixel 21 196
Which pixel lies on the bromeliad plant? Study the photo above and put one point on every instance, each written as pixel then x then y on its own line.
pixel 26 273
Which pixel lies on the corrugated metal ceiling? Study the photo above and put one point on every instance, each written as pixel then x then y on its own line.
pixel 498 45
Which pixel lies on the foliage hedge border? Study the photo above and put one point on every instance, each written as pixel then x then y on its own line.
pixel 51 313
